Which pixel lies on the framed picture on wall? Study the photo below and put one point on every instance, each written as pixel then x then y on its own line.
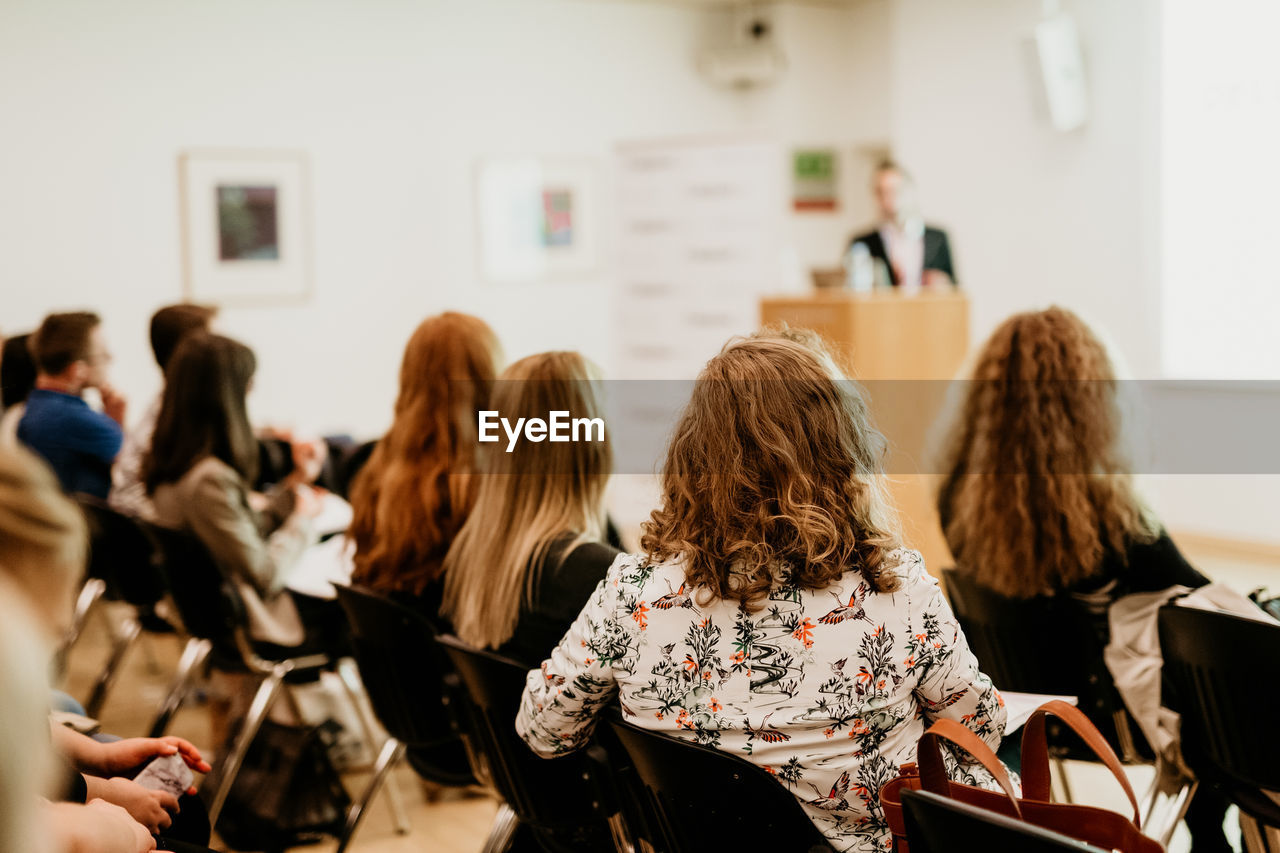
pixel 537 219
pixel 245 226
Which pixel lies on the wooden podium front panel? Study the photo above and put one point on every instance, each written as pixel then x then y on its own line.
pixel 885 335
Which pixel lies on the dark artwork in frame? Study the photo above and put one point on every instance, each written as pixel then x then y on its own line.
pixel 248 223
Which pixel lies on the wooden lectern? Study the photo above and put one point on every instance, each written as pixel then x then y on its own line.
pixel 881 337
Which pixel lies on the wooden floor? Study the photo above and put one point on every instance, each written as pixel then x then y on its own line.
pixel 458 823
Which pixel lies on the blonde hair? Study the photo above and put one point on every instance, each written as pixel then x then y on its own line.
pixel 416 490
pixel 26 760
pixel 43 536
pixel 1037 490
pixel 774 465
pixel 526 499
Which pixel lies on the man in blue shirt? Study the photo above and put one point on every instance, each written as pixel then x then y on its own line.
pixel 78 442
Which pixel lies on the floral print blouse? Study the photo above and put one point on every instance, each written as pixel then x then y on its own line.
pixel 829 691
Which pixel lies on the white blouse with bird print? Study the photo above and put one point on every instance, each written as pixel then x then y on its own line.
pixel 829 691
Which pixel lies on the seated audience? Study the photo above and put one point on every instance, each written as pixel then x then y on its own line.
pixel 71 357
pixel 169 326
pixel 42 553
pixel 202 459
pixel 17 378
pixel 1038 499
pixel 413 495
pixel 773 612
pixel 519 592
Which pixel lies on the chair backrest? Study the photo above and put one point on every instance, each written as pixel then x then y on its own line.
pixel 1224 671
pixel 210 606
pixel 1037 645
pixel 745 808
pixel 122 554
pixel 404 670
pixel 555 798
pixel 939 825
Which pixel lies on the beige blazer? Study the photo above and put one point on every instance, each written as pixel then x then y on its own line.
pixel 256 550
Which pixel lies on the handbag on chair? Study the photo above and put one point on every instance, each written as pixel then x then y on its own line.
pixel 1099 827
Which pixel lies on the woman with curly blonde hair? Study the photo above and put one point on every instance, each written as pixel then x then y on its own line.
pixel 1038 498
pixel 773 613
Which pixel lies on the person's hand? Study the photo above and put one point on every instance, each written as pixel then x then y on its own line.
pixel 936 278
pixel 124 755
pixel 109 827
pixel 152 809
pixel 113 403
pixel 308 459
pixel 308 501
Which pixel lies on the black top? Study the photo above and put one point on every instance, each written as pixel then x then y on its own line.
pixel 564 585
pixel 937 252
pixel 1145 567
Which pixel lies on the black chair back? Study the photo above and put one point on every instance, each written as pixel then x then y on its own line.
pixel 122 554
pixel 557 799
pixel 745 808
pixel 410 682
pixel 210 607
pixel 939 825
pixel 1048 644
pixel 1224 672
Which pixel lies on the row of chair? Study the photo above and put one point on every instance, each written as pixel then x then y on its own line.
pixel 449 708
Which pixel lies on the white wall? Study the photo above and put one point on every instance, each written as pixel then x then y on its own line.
pixel 394 100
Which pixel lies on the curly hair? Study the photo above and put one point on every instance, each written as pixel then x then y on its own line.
pixel 774 467
pixel 1037 491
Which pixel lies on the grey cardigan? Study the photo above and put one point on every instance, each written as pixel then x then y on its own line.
pixel 256 550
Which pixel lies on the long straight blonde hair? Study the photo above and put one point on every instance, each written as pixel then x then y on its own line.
pixel 526 499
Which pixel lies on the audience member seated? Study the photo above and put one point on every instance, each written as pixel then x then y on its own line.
pixel 42 554
pixel 413 495
pixel 169 326
pixel 532 550
pixel 71 357
pixel 203 456
pixel 773 612
pixel 17 378
pixel 1038 498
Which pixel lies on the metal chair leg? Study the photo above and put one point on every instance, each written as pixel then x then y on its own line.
pixel 392 752
pixel 194 655
pixel 126 634
pixel 90 593
pixel 504 827
pixel 267 693
pixel 350 677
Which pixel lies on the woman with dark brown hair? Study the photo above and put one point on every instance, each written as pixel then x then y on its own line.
pixel 773 612
pixel 1038 499
pixel 413 495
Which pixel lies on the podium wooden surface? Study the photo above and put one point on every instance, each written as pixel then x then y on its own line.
pixel 881 337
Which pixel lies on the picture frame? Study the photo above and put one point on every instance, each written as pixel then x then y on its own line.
pixel 537 219
pixel 246 226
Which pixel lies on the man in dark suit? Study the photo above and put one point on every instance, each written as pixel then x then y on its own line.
pixel 914 254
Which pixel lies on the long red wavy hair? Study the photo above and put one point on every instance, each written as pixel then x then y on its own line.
pixel 416 490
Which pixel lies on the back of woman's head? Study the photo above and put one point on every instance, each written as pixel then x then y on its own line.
pixel 774 466
pixel 1037 489
pixel 203 410
pixel 414 493
pixel 534 494
pixel 43 537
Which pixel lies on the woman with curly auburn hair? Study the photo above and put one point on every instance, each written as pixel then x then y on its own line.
pixel 773 612
pixel 1038 499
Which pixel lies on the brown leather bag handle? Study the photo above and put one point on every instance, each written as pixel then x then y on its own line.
pixel 1035 752
pixel 933 772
